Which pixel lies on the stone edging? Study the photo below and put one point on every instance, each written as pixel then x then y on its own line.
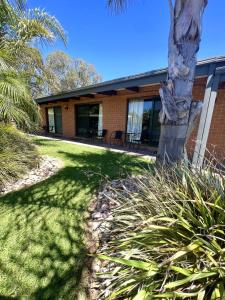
pixel 99 233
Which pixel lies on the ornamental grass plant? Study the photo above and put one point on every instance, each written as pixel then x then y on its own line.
pixel 168 238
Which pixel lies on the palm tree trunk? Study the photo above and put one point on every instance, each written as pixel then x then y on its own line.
pixel 178 112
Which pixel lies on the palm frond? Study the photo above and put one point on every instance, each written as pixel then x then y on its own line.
pixel 16 104
pixel 25 25
pixel 37 23
pixel 21 65
pixel 20 4
pixel 118 5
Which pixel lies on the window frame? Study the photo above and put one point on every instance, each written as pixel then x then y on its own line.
pixel 154 98
pixel 55 124
pixel 76 114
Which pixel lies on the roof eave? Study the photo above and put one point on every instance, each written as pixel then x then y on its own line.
pixel 149 78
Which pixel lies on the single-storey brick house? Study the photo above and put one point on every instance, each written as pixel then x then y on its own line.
pixel 131 104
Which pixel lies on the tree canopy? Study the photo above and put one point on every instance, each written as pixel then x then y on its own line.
pixel 22 29
pixel 64 73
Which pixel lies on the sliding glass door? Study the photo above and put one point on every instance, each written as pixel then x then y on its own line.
pixel 88 119
pixel 55 119
pixel 143 121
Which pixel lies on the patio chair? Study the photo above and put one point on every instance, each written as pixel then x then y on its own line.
pixel 128 138
pixel 116 136
pixel 101 135
pixel 90 135
pixel 48 129
pixel 134 139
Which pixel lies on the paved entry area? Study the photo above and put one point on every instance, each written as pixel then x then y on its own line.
pixel 105 147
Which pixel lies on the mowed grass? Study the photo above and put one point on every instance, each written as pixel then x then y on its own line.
pixel 42 251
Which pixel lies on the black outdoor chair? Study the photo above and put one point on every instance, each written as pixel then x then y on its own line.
pixel 116 137
pixel 48 129
pixel 128 138
pixel 133 141
pixel 101 135
pixel 144 138
pixel 91 134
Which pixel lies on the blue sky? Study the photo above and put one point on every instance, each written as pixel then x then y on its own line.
pixel 131 42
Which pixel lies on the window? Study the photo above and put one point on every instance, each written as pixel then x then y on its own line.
pixel 143 121
pixel 89 119
pixel 55 119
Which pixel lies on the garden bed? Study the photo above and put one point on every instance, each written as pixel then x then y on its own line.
pixel 46 167
pixel 99 234
pixel 134 222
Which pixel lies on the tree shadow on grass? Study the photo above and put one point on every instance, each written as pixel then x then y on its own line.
pixel 42 251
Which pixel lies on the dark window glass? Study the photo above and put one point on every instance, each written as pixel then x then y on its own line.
pixel 82 120
pixel 58 120
pixel 155 125
pixel 87 119
pixel 146 119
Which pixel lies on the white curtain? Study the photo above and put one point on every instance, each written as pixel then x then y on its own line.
pixel 135 118
pixel 51 120
pixel 100 116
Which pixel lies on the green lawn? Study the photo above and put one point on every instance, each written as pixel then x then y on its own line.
pixel 41 228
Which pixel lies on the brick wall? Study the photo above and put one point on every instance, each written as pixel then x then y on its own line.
pixel 216 139
pixel 114 109
pixel 198 95
pixel 115 112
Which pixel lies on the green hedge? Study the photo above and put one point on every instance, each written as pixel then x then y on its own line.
pixel 17 154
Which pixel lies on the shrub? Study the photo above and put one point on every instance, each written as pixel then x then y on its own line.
pixel 17 154
pixel 168 238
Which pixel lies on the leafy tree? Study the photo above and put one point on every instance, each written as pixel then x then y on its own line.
pixel 20 30
pixel 65 73
pixel 178 111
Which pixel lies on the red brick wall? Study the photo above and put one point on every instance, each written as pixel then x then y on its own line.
pixel 114 109
pixel 198 95
pixel 115 112
pixel 216 139
pixel 68 113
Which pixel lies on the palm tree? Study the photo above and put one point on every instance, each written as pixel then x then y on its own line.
pixel 178 112
pixel 21 29
pixel 16 104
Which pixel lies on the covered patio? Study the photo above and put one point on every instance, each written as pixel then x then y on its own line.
pixel 124 113
pixel 144 153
